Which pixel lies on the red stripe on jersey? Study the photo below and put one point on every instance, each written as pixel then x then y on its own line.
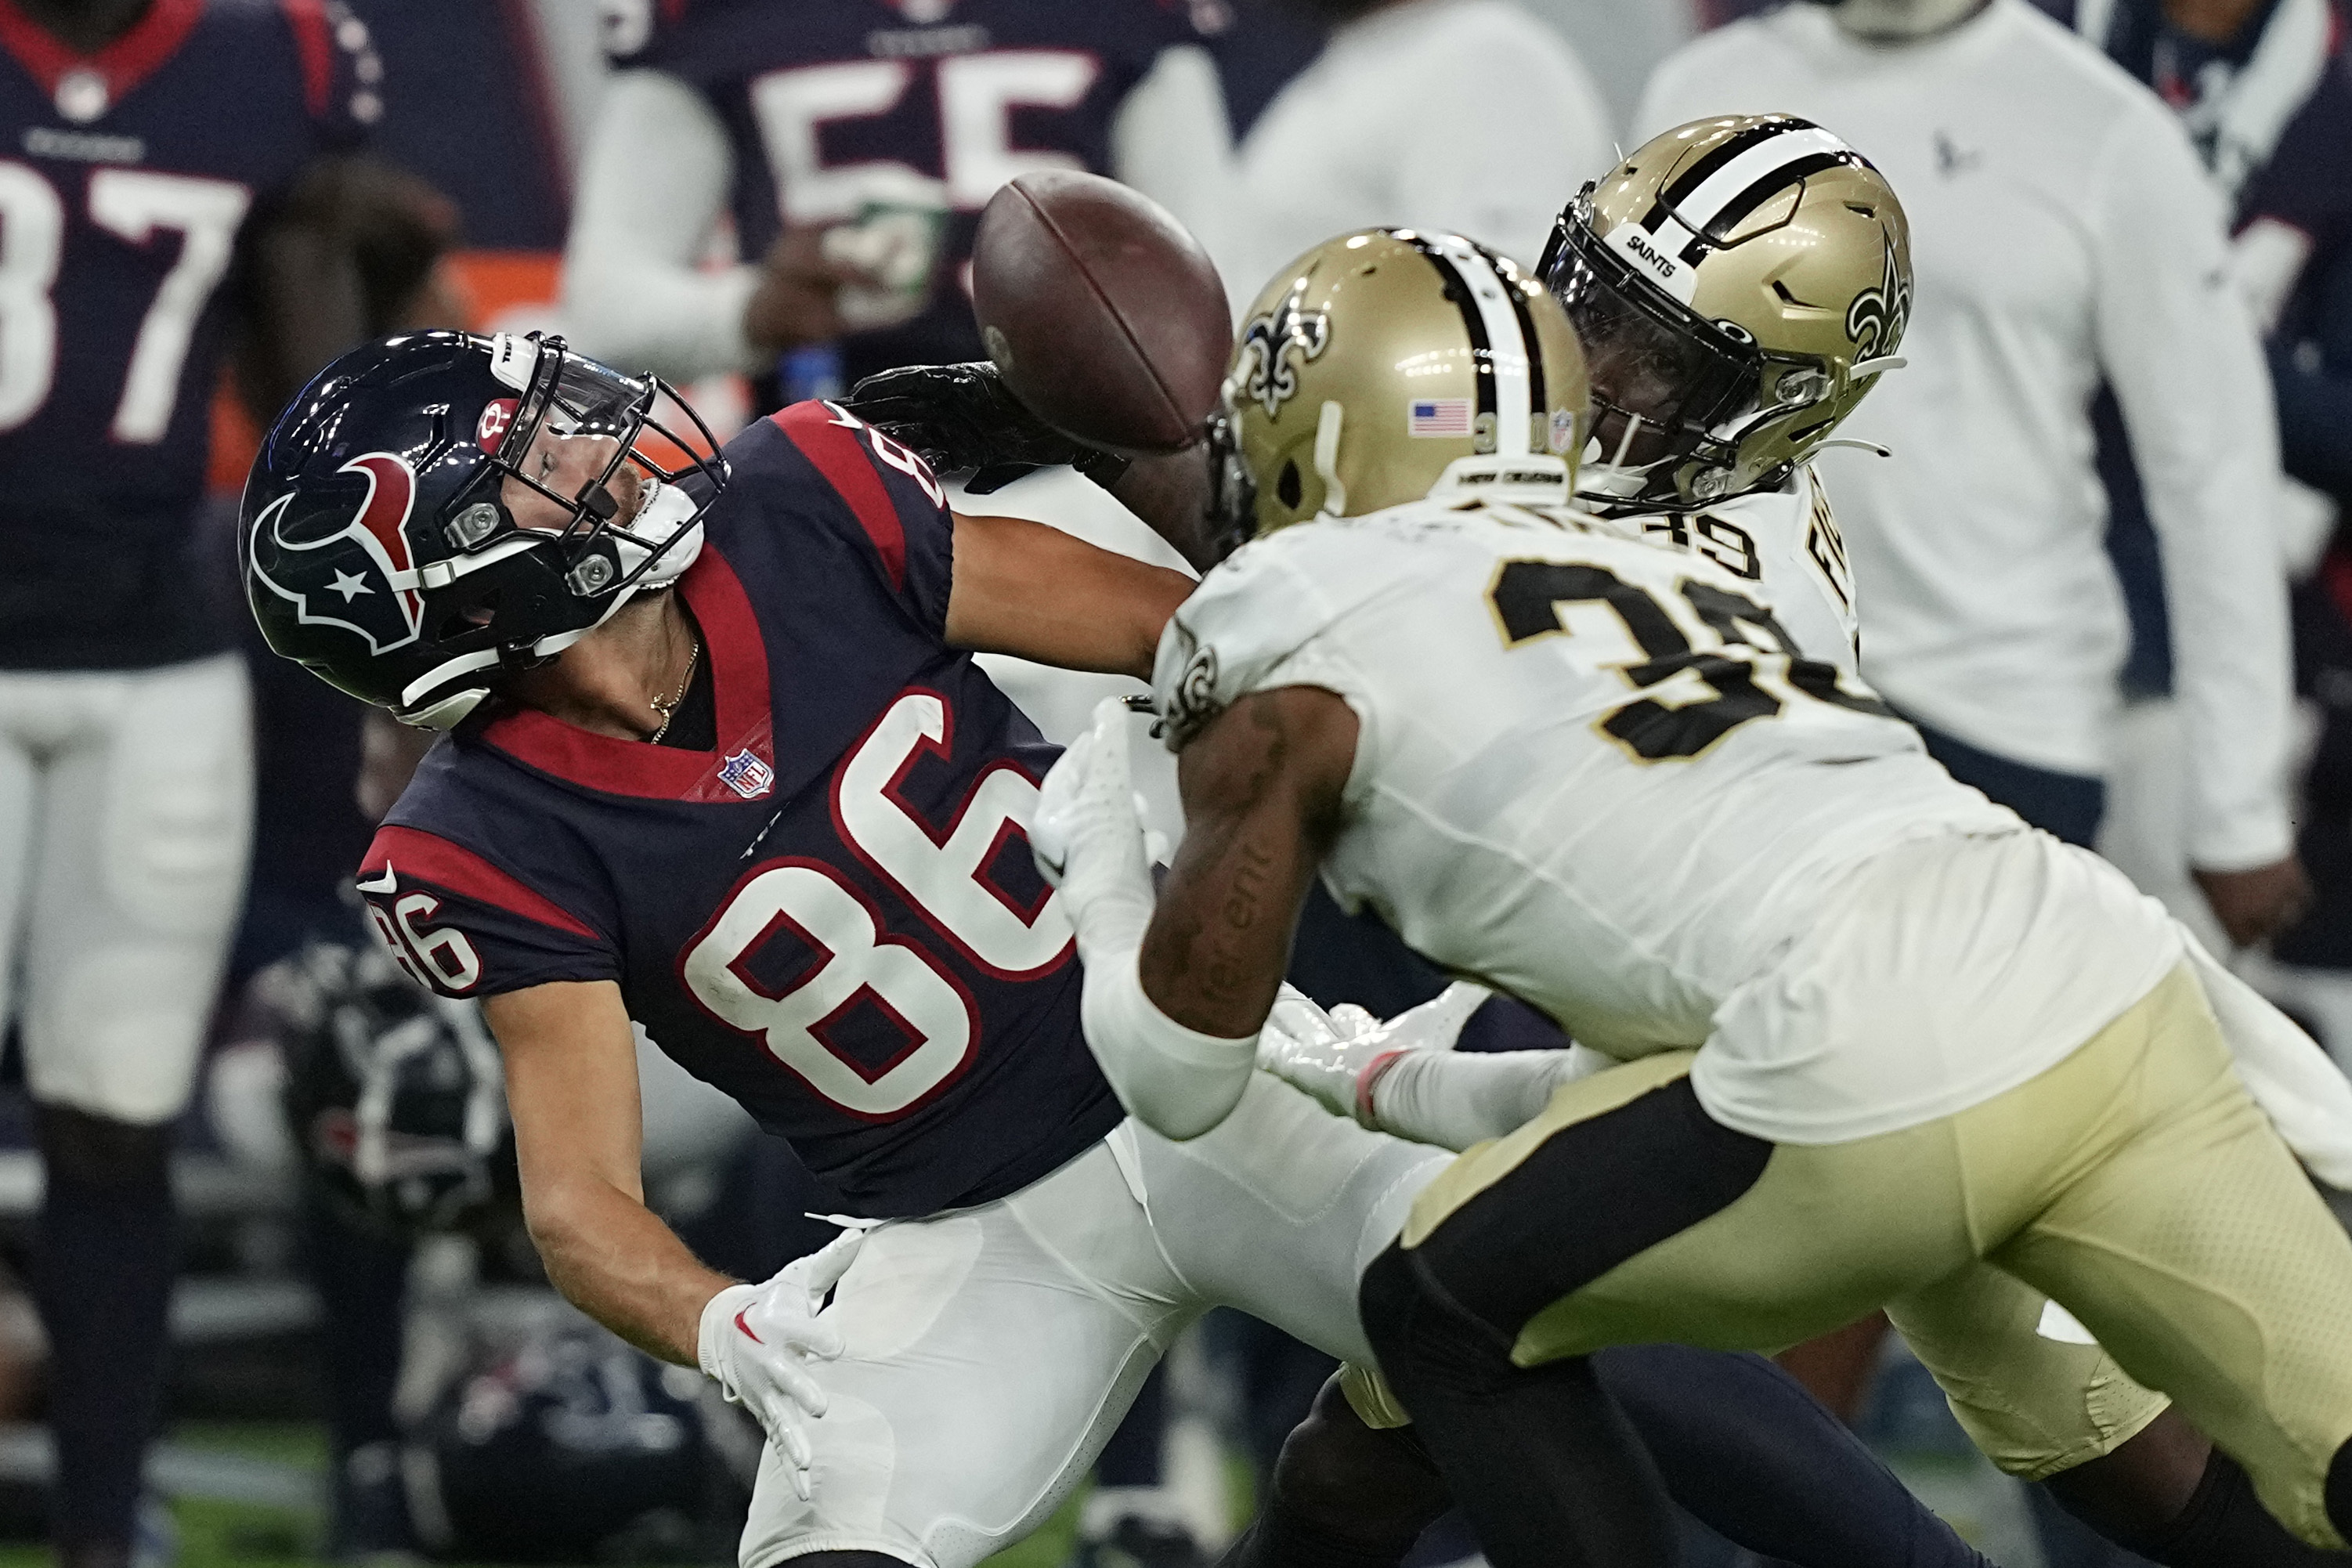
pixel 673 9
pixel 738 674
pixel 847 467
pixel 124 63
pixel 313 43
pixel 410 852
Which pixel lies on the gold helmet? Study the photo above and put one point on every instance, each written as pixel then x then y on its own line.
pixel 1738 283
pixel 1384 366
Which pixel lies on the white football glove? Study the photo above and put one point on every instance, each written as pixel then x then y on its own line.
pixel 1337 1057
pixel 757 1341
pixel 1087 833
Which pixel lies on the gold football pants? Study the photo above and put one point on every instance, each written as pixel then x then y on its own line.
pixel 2135 1183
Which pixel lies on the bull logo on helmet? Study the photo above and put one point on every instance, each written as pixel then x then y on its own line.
pixel 362 576
pixel 1876 318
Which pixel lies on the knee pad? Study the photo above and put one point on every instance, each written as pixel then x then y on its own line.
pixel 1427 1342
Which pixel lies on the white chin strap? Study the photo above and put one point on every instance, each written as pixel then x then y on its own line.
pixel 663 513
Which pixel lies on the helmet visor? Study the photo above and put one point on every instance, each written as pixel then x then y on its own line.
pixel 1663 378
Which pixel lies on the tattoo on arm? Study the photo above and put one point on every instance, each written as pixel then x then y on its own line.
pixel 1261 796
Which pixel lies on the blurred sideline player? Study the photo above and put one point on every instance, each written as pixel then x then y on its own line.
pixel 2265 93
pixel 156 206
pixel 881 978
pixel 853 151
pixel 1995 619
pixel 1747 1201
pixel 1502 114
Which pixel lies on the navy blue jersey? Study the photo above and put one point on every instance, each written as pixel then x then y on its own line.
pixel 831 914
pixel 2270 113
pixel 125 180
pixel 2295 223
pixel 831 105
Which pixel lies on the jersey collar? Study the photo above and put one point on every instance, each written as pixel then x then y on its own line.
pixel 119 67
pixel 742 767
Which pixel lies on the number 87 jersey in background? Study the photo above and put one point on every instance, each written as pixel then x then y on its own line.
pixel 126 177
pixel 817 894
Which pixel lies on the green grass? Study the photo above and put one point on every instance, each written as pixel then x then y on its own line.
pixel 235 1535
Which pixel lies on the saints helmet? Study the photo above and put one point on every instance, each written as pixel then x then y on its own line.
pixel 1738 284
pixel 1386 366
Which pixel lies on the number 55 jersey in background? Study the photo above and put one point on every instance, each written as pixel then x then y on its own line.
pixel 126 177
pixel 830 109
pixel 821 901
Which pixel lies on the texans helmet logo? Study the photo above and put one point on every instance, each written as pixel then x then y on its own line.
pixel 360 577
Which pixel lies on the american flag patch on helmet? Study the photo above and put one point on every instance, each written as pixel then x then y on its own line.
pixel 1438 416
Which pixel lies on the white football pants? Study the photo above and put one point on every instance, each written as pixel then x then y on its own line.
pixel 991 1351
pixel 126 814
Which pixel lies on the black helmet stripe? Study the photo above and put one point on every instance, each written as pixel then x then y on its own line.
pixel 1675 191
pixel 1505 394
pixel 1474 321
pixel 1729 215
pixel 1708 199
pixel 1539 400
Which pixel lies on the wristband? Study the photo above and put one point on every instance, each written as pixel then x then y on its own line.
pixel 1373 1071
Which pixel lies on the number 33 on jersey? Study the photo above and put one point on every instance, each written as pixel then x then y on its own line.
pixel 831 912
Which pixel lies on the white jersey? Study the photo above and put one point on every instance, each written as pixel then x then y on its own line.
pixel 1607 778
pixel 1787 543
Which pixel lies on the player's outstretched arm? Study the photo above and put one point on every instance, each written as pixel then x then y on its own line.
pixel 1175 997
pixel 1034 592
pixel 572 1089
pixel 1261 786
pixel 963 419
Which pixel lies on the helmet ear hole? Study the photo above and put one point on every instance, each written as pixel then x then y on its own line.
pixel 1287 488
pixel 479 615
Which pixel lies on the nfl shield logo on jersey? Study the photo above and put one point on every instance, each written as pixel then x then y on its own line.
pixel 747 775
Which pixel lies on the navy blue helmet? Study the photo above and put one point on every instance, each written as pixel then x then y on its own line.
pixel 399 536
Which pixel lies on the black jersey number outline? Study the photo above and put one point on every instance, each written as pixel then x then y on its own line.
pixel 1526 596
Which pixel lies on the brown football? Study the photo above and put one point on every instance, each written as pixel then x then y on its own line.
pixel 1107 319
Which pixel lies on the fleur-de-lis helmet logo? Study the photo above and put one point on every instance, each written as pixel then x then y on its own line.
pixel 1274 345
pixel 1876 318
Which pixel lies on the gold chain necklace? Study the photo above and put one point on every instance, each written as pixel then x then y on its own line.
pixel 669 709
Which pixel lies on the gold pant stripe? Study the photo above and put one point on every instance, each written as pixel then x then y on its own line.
pixel 2135 1183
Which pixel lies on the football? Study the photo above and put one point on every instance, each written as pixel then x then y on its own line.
pixel 1106 317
